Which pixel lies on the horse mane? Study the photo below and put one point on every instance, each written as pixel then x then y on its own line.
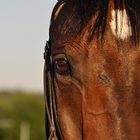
pixel 76 14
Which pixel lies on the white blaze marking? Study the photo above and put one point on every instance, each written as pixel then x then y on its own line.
pixel 58 10
pixel 121 25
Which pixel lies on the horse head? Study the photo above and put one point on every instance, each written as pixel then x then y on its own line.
pixel 95 55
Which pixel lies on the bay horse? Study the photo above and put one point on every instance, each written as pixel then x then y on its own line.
pixel 92 71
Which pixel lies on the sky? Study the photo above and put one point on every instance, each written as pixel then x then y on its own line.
pixel 24 28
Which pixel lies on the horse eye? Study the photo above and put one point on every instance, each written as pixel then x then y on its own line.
pixel 62 67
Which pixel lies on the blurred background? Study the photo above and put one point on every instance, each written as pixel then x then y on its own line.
pixel 24 28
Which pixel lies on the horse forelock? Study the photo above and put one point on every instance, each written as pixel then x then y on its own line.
pixel 71 17
pixel 120 24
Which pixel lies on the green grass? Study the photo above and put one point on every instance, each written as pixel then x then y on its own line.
pixel 20 107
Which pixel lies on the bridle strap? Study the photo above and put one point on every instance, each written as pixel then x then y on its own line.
pixel 53 131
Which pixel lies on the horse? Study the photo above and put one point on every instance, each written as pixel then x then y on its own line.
pixel 91 74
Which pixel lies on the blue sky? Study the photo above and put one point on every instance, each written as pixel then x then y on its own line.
pixel 23 32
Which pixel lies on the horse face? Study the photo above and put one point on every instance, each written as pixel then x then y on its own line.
pixel 97 90
pixel 97 84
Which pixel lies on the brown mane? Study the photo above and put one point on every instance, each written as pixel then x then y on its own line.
pixel 84 10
